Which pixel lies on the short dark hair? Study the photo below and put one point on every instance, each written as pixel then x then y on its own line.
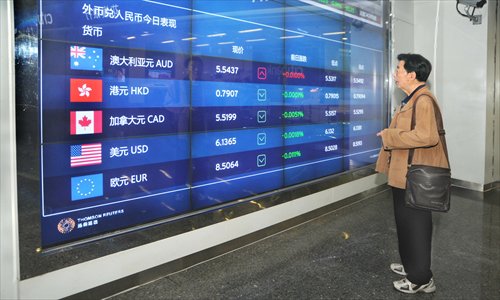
pixel 416 63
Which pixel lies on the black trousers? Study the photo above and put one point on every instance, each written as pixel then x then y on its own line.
pixel 414 229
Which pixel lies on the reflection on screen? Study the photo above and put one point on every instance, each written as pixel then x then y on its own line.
pixel 152 109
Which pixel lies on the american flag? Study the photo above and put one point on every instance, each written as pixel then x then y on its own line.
pixel 86 155
pixel 77 52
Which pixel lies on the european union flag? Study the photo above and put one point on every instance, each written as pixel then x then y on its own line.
pixel 88 186
pixel 85 58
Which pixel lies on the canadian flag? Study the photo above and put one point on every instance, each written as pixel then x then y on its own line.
pixel 85 122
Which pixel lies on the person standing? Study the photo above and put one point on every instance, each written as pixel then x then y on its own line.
pixel 414 226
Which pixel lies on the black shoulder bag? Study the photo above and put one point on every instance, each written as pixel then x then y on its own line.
pixel 428 187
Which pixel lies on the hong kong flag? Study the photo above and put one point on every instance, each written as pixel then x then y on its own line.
pixel 85 90
pixel 85 122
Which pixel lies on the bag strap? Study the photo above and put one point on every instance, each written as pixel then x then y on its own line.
pixel 440 128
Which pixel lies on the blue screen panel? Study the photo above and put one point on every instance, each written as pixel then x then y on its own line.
pixel 154 109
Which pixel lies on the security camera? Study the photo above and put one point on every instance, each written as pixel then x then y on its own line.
pixel 469 8
pixel 473 3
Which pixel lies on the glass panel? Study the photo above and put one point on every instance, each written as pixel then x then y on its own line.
pixel 152 110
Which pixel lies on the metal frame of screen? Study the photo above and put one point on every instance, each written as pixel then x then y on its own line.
pixel 187 128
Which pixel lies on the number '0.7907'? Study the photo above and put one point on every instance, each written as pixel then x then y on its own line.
pixel 226 93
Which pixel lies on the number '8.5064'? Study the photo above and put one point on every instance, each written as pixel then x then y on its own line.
pixel 226 165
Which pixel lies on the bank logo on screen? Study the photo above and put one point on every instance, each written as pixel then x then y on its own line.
pixel 85 58
pixel 85 187
pixel 85 90
pixel 85 122
pixel 66 225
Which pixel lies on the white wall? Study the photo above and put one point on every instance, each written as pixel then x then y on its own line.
pixel 458 51
pixel 402 40
pixel 461 88
pixel 9 259
pixel 493 94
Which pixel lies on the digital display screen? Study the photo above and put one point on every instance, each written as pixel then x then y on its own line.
pixel 155 109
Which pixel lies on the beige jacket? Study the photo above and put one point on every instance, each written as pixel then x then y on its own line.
pixel 398 139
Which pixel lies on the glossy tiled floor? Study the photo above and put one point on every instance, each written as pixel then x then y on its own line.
pixel 346 254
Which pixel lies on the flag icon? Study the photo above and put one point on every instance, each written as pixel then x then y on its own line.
pixel 88 186
pixel 85 58
pixel 86 155
pixel 85 122
pixel 85 90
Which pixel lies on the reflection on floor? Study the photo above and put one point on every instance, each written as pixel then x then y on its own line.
pixel 346 254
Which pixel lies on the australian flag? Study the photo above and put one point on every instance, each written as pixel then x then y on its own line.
pixel 85 58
